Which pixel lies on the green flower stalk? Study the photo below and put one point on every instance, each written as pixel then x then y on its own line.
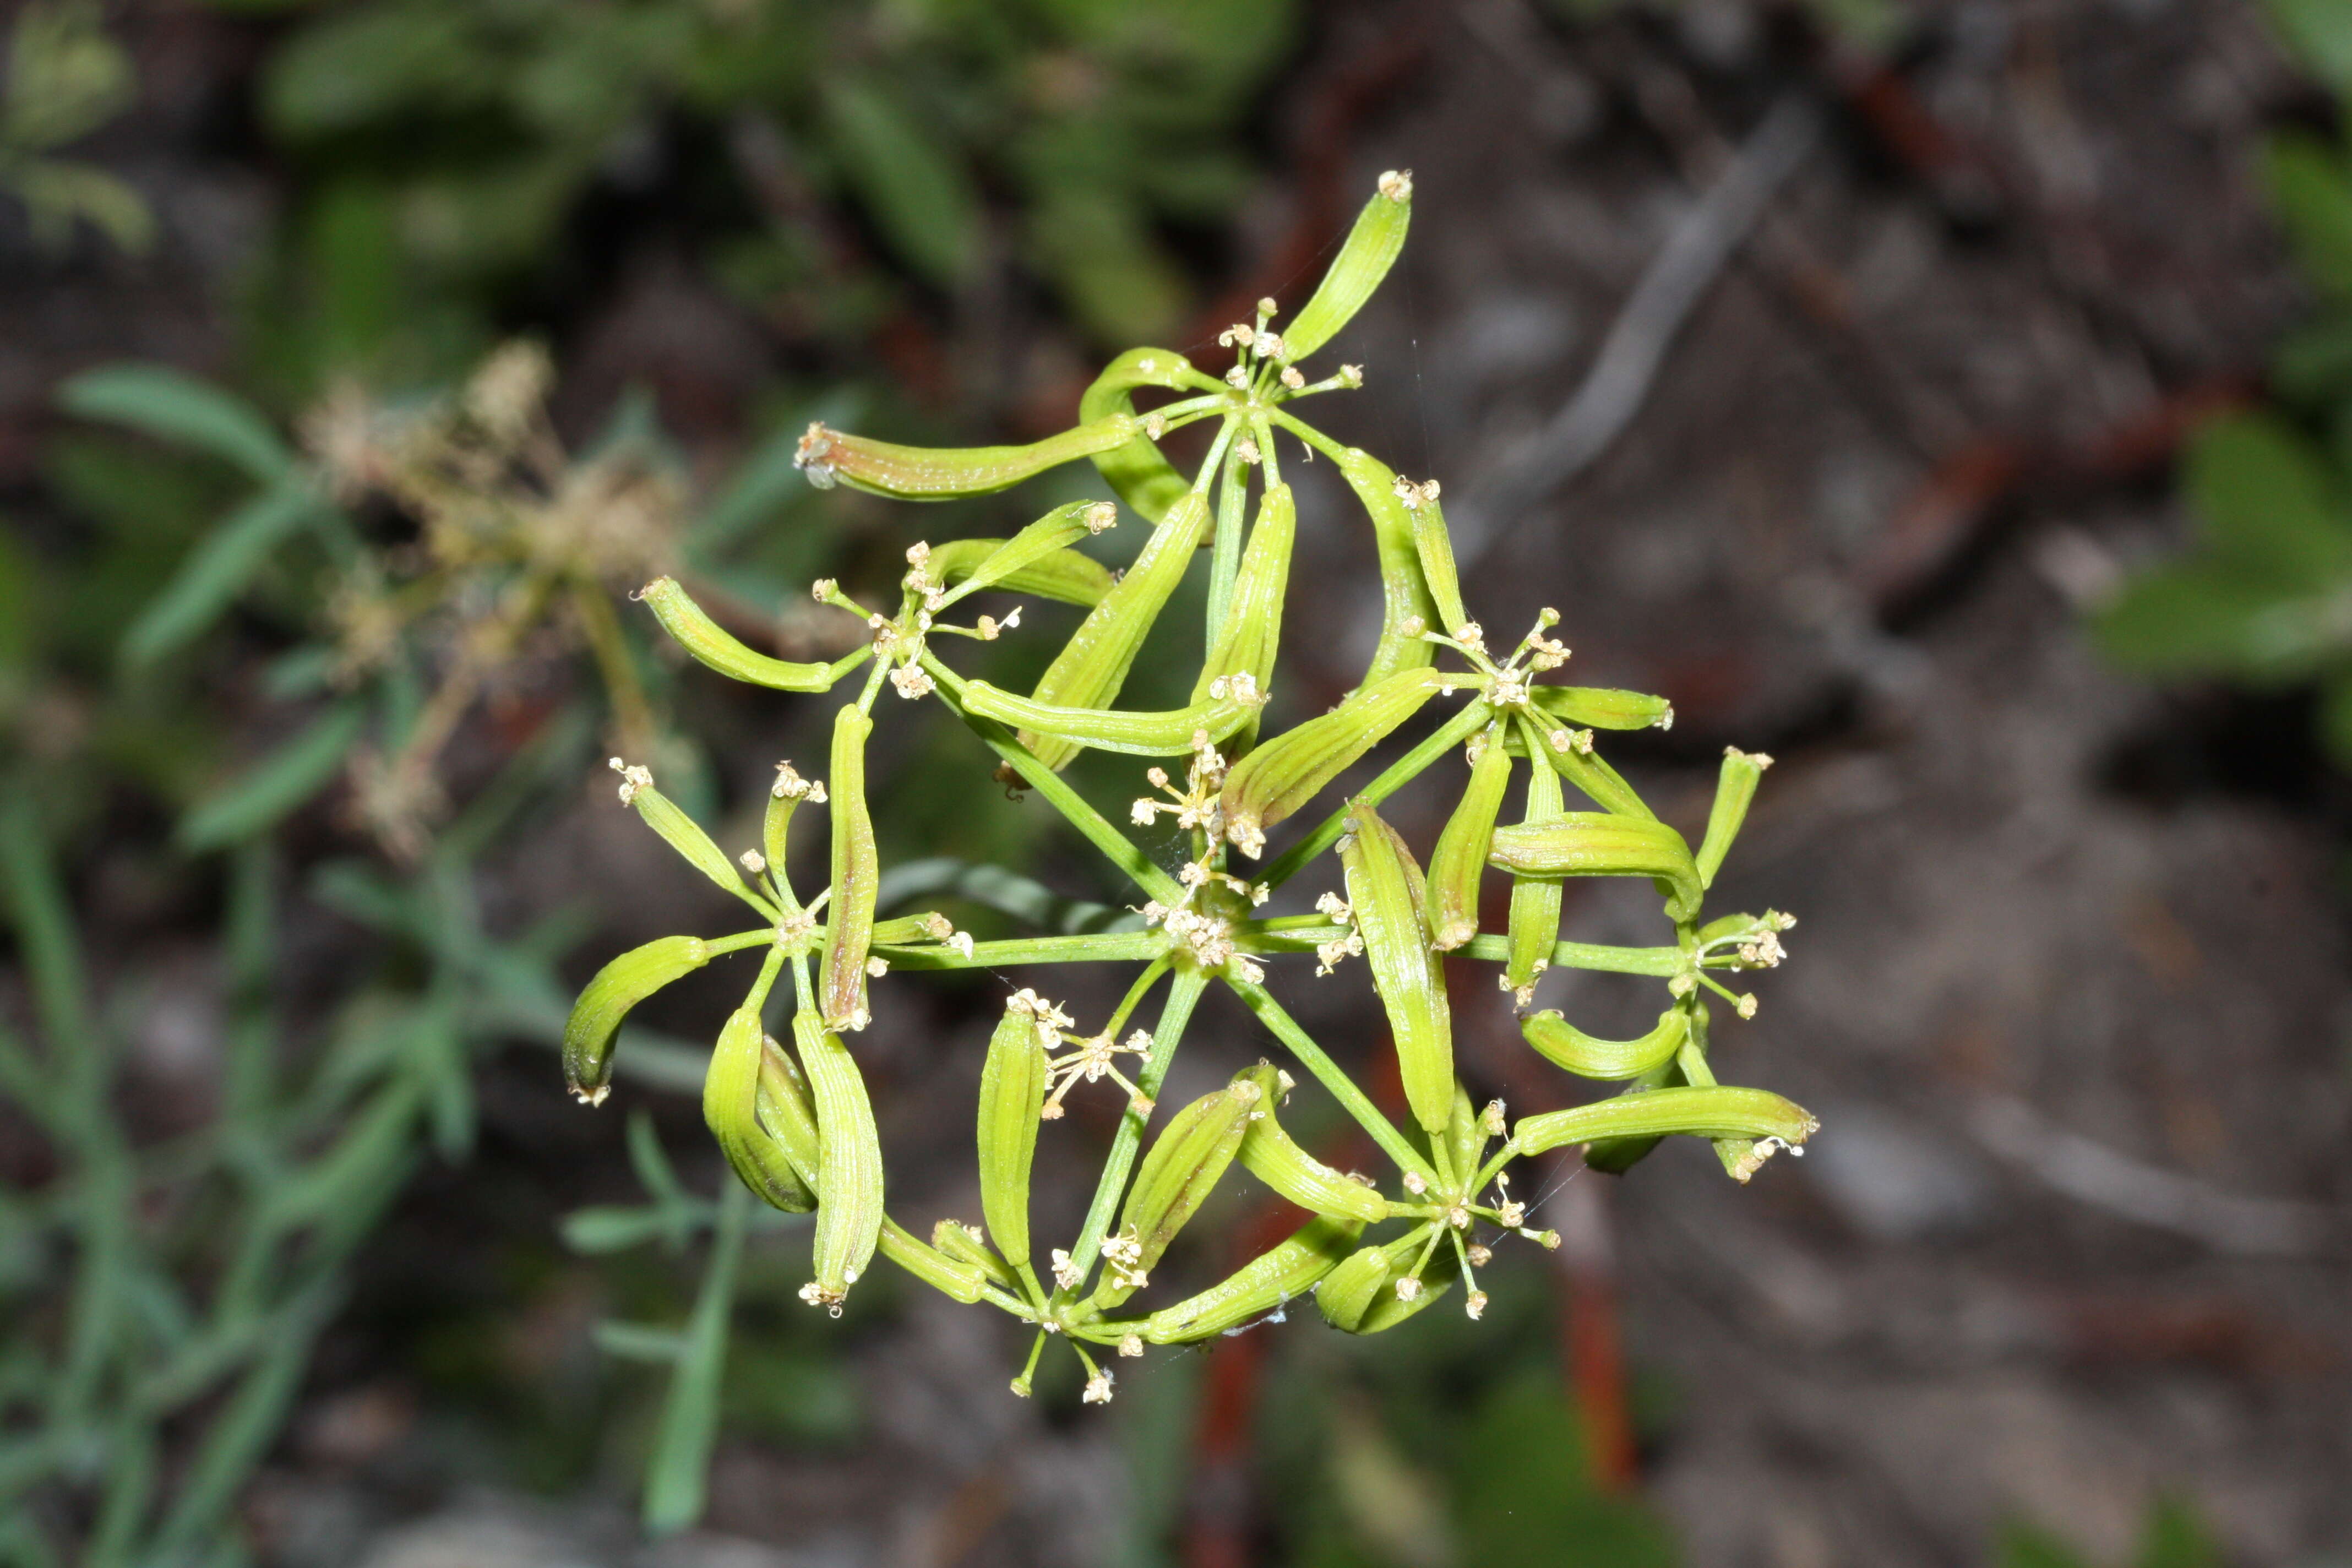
pixel 795 1120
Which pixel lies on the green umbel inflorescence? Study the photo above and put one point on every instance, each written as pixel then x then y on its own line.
pixel 795 1119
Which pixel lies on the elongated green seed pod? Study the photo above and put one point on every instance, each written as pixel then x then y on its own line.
pixel 1291 770
pixel 1063 575
pixel 857 877
pixel 730 1096
pixel 1271 1155
pixel 789 1113
pixel 964 1245
pixel 1164 733
pixel 1184 1163
pixel 1432 545
pixel 1371 249
pixel 909 931
pixel 943 473
pixel 1386 891
pixel 1465 1134
pixel 1012 1093
pixel 1253 628
pixel 1459 862
pixel 1141 477
pixel 849 1178
pixel 1602 844
pixel 1050 535
pixel 1589 1056
pixel 683 833
pixel 1734 788
pixel 1599 708
pixel 959 1279
pixel 785 797
pixel 1388 1308
pixel 605 1001
pixel 1093 665
pixel 1262 1284
pixel 1407 609
pixel 713 645
pixel 1535 900
pixel 1347 1291
pixel 1715 1112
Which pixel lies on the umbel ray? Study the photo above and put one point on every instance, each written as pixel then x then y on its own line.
pixel 794 1118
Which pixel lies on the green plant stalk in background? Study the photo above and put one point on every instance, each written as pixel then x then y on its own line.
pixel 1198 926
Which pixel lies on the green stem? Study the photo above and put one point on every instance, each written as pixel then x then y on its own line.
pixel 1183 991
pixel 1089 822
pixel 1225 560
pixel 1453 732
pixel 1116 947
pixel 1326 1072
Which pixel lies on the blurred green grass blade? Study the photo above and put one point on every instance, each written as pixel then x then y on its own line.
pixel 611 1228
pixel 217 570
pixel 1007 892
pixel 675 1477
pixel 641 1341
pixel 276 786
pixel 246 1427
pixel 2269 500
pixel 171 406
pixel 920 196
pixel 45 934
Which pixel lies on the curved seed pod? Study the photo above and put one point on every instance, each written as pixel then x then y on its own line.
pixel 857 877
pixel 683 833
pixel 1347 1291
pixel 1384 887
pixel 1093 665
pixel 1602 844
pixel 1271 1155
pixel 1176 1175
pixel 1291 770
pixel 1371 249
pixel 1589 1056
pixel 1407 608
pixel 849 1179
pixel 1459 861
pixel 1012 1094
pixel 606 999
pixel 1063 575
pixel 954 1277
pixel 1253 628
pixel 1388 1309
pixel 1715 1111
pixel 1167 733
pixel 965 1244
pixel 911 930
pixel 1734 788
pixel 1261 1286
pixel 730 1097
pixel 713 645
pixel 1535 900
pixel 1049 535
pixel 1141 477
pixel 787 1111
pixel 1599 708
pixel 942 473
pixel 1570 754
pixel 1465 1135
pixel 1434 544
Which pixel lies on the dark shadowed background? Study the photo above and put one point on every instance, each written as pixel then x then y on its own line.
pixel 1858 379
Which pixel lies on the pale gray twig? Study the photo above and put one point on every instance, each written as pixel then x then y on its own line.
pixel 1622 374
pixel 2091 1173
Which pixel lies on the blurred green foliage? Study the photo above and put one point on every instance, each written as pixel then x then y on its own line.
pixel 2263 595
pixel 65 78
pixel 2173 1537
pixel 448 148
